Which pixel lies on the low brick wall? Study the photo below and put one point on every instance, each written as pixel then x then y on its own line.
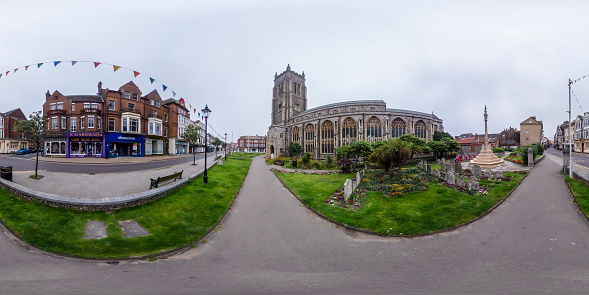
pixel 106 204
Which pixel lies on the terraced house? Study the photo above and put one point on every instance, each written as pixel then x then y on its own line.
pixel 321 130
pixel 112 123
pixel 11 140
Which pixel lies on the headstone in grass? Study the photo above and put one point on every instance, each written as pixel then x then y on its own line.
pixel 458 167
pixel 476 171
pixel 450 177
pixel 428 168
pixel 487 174
pixel 95 230
pixel 347 189
pixel 467 172
pixel 443 165
pixel 436 173
pixel 449 166
pixel 498 175
pixel 438 161
pixel 460 181
pixel 473 184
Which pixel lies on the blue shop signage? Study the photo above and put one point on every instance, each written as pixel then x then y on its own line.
pixel 120 144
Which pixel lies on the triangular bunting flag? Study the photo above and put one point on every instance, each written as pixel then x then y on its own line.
pixel 174 93
pixel 96 64
pixel 199 114
pixel 115 68
pixel 181 100
pixel 151 80
pixel 0 76
pixel 74 62
pixel 15 70
pixel 7 73
pixel 56 63
pixel 194 111
pixel 39 65
pixel 136 73
pixel 190 106
pixel 26 68
pixel 165 87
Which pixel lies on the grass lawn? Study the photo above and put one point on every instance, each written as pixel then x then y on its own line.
pixel 244 155
pixel 434 209
pixel 581 193
pixel 176 220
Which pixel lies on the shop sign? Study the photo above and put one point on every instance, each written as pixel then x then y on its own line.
pixel 85 134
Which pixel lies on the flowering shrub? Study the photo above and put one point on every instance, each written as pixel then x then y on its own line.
pixel 410 180
pixel 355 200
pixel 332 172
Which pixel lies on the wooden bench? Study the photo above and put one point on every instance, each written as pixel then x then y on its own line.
pixel 155 182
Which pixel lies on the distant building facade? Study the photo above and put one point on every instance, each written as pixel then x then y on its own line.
pixel 251 144
pixel 509 138
pixel 323 129
pixel 11 140
pixel 531 131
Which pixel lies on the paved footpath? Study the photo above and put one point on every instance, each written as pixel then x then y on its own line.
pixel 270 243
pixel 87 186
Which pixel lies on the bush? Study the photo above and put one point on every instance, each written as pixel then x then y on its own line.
pixel 508 149
pixel 329 162
pixel 538 150
pixel 306 159
pixel 498 150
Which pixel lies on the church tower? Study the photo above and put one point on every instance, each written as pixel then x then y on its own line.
pixel 289 96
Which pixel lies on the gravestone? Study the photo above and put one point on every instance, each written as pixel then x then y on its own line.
pixel 460 181
pixel 530 157
pixel 467 172
pixel 487 174
pixel 436 173
pixel 428 168
pixel 498 175
pixel 357 182
pixel 473 184
pixel 443 166
pixel 476 171
pixel 220 162
pixel 438 161
pixel 458 168
pixel 444 160
pixel 450 177
pixel 347 189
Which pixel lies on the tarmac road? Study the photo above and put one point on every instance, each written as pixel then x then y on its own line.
pixel 269 243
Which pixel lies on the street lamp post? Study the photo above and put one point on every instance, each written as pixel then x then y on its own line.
pixel 225 145
pixel 206 112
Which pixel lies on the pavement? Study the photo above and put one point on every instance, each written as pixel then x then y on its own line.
pixel 534 242
pixel 93 160
pixel 89 186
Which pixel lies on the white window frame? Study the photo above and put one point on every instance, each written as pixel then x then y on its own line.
pixel 90 122
pixel 60 105
pixel 73 106
pixel 52 107
pixel 82 123
pixel 127 95
pixel 94 105
pixel 86 105
pixel 111 107
pixel 54 123
pixel 63 122
pixel 73 124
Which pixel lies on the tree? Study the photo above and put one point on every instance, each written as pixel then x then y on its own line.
pixel 217 142
pixel 32 130
pixel 439 135
pixel 396 152
pixel 416 144
pixel 295 149
pixel 451 145
pixel 192 135
pixel 361 148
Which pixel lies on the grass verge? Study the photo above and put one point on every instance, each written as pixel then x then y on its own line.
pixel 176 220
pixel 436 208
pixel 580 193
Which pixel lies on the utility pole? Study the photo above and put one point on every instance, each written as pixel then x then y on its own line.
pixel 570 136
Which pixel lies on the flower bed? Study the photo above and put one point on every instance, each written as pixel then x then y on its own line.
pixel 355 201
pixel 410 180
pixel 332 172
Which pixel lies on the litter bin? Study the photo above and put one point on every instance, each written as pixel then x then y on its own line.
pixel 6 172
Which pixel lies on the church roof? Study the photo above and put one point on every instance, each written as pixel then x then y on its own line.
pixel 340 104
pixel 413 113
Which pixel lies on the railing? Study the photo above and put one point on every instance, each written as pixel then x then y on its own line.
pixel 92 111
pixel 56 112
pixel 130 110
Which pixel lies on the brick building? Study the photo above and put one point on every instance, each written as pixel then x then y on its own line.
pixel 509 138
pixel 112 123
pixel 251 144
pixel 10 140
pixel 176 122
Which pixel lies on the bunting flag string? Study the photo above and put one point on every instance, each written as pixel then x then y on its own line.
pixel 577 101
pixel 115 68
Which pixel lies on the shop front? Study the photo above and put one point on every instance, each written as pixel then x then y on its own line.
pixel 86 144
pixel 55 144
pixel 125 145
pixel 181 147
pixel 155 145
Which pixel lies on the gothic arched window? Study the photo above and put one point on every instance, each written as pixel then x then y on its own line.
pixel 309 138
pixel 349 131
pixel 295 134
pixel 373 130
pixel 327 137
pixel 398 128
pixel 420 129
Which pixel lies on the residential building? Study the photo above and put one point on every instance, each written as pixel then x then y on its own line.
pixel 176 123
pixel 559 138
pixel 11 140
pixel 509 138
pixel 251 144
pixel 531 131
pixel 473 144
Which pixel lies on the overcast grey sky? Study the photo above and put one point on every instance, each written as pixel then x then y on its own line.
pixel 446 57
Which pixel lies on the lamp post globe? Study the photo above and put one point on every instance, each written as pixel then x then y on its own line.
pixel 206 112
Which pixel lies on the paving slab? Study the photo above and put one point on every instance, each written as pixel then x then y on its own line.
pixel 95 230
pixel 132 229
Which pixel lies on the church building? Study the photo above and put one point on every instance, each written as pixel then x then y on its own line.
pixel 321 130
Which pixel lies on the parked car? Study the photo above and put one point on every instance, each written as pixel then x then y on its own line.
pixel 32 150
pixel 22 151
